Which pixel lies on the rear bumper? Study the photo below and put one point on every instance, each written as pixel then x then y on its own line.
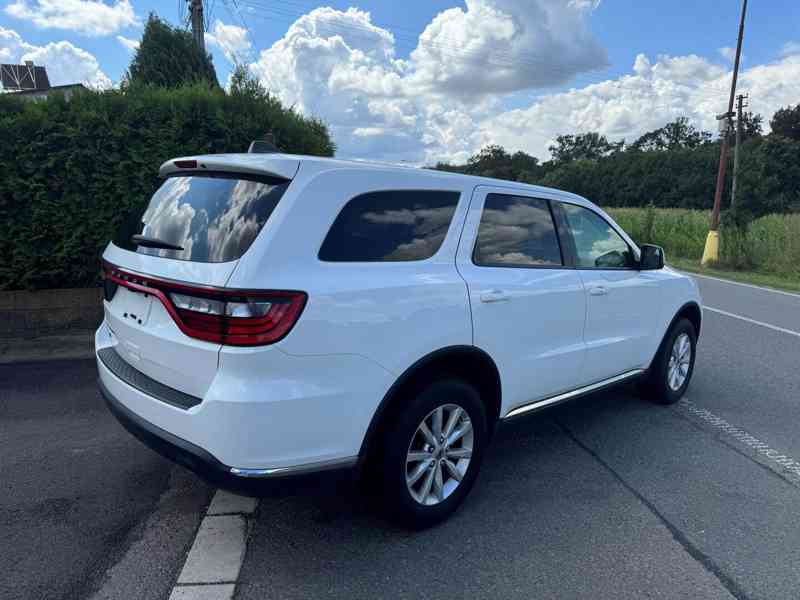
pixel 209 468
pixel 266 415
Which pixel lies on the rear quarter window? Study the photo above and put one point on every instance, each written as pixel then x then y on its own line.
pixel 386 226
pixel 213 217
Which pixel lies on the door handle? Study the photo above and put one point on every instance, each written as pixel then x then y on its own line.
pixel 495 296
pixel 598 290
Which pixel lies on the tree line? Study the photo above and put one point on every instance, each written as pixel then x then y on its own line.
pixel 674 166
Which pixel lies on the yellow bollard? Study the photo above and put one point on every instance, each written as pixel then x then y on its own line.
pixel 711 251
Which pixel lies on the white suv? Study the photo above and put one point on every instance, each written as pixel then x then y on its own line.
pixel 272 315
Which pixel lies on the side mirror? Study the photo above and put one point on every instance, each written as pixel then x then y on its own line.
pixel 652 258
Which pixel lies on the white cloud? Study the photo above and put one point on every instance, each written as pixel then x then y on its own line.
pixel 11 45
pixel 88 17
pixel 654 94
pixel 129 44
pixel 727 53
pixel 231 40
pixel 65 63
pixel 339 66
pixel 790 48
pixel 499 46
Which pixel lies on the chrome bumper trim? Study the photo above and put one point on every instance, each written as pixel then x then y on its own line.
pixel 325 465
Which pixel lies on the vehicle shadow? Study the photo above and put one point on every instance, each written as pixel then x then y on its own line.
pixel 540 499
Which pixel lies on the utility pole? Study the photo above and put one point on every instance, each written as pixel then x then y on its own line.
pixel 198 25
pixel 711 251
pixel 740 104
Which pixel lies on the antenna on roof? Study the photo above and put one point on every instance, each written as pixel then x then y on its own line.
pixel 264 146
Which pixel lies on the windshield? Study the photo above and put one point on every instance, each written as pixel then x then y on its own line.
pixel 205 218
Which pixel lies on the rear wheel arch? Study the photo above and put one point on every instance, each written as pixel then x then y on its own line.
pixel 468 363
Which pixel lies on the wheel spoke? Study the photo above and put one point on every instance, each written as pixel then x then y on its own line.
pixel 438 482
pixel 418 472
pixel 426 433
pixel 438 415
pixel 465 428
pixel 452 420
pixel 417 456
pixel 426 486
pixel 458 453
pixel 454 472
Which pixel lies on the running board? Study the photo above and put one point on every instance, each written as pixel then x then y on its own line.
pixel 526 408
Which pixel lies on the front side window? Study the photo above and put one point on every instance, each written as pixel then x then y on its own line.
pixel 204 218
pixel 390 226
pixel 597 245
pixel 516 231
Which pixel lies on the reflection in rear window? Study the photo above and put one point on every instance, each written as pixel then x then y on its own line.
pixel 400 225
pixel 214 218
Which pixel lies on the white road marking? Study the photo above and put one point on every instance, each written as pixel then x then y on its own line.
pixel 222 591
pixel 739 283
pixel 215 559
pixel 227 503
pixel 753 321
pixel 784 463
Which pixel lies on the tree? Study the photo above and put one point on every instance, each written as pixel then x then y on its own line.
pixel 168 57
pixel 752 125
pixel 588 146
pixel 491 161
pixel 786 122
pixel 244 84
pixel 677 134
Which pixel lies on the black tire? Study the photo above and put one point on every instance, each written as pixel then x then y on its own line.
pixel 657 386
pixel 398 501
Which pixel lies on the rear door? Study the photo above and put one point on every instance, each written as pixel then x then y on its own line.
pixel 528 308
pixel 622 302
pixel 195 228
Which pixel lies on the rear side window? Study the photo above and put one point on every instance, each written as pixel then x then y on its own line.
pixel 401 225
pixel 211 218
pixel 516 231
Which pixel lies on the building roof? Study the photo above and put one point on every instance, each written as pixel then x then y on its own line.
pixel 27 77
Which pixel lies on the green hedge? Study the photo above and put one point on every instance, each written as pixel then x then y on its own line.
pixel 770 244
pixel 71 171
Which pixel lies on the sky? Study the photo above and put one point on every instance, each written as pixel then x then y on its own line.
pixel 435 80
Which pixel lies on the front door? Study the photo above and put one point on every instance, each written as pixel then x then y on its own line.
pixel 528 309
pixel 621 301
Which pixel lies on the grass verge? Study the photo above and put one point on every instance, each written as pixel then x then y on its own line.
pixel 778 282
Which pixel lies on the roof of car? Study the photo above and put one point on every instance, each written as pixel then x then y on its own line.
pixel 286 166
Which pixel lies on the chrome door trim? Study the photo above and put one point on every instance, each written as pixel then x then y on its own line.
pixel 525 408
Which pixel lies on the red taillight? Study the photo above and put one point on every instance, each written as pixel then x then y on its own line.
pixel 231 317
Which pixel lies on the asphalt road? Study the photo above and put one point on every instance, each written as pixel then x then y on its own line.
pixel 607 497
pixel 77 492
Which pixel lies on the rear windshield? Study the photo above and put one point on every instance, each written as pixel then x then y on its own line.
pixel 211 217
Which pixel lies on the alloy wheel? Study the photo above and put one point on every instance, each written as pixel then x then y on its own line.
pixel 439 454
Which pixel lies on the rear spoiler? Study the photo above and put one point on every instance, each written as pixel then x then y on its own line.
pixel 280 166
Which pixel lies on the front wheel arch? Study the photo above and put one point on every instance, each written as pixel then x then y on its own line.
pixel 690 311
